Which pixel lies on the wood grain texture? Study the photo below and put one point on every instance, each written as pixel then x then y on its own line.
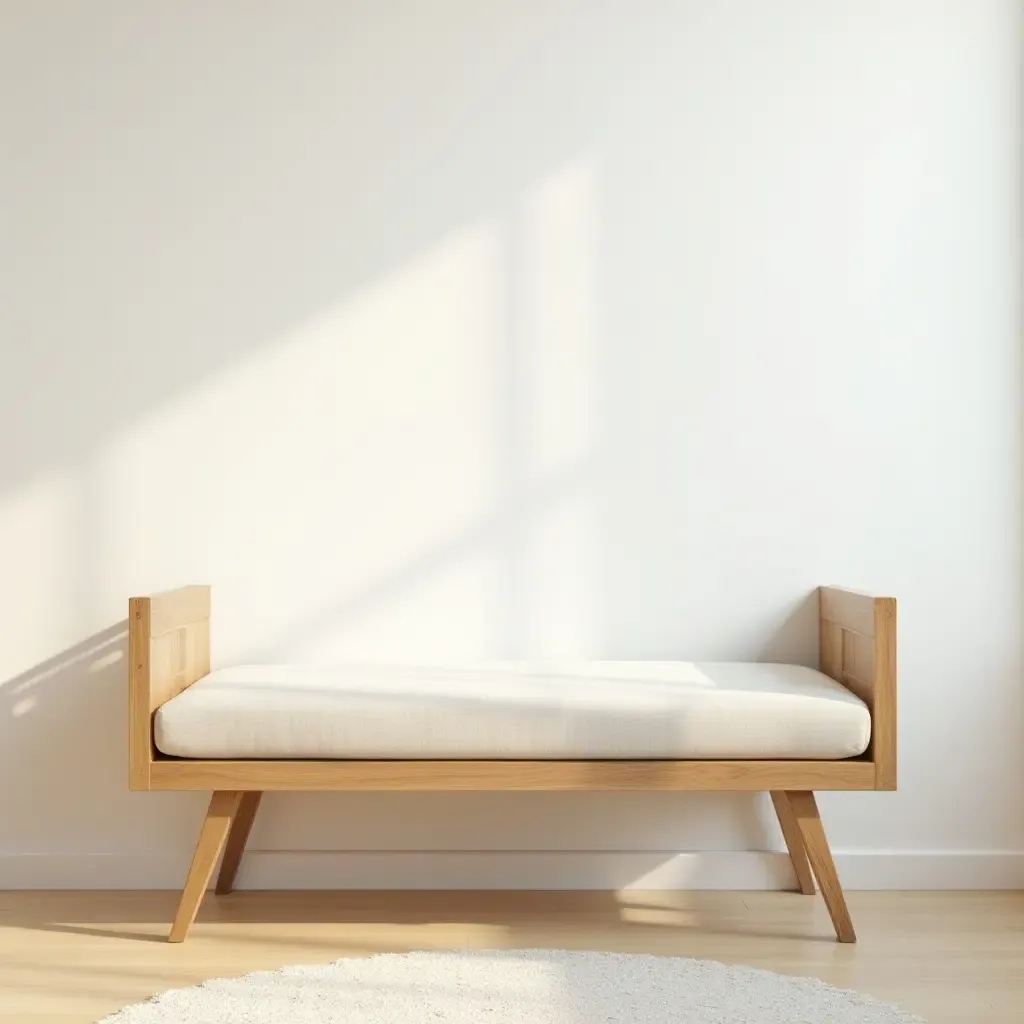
pixel 749 776
pixel 177 659
pixel 830 658
pixel 140 743
pixel 858 664
pixel 163 660
pixel 848 608
pixel 223 809
pixel 75 957
pixel 862 656
pixel 237 838
pixel 173 609
pixel 885 714
pixel 812 832
pixel 794 843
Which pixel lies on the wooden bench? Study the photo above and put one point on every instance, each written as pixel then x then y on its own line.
pixel 169 650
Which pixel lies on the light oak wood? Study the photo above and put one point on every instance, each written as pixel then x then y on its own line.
pixel 172 609
pixel 177 659
pixel 168 650
pixel 808 821
pixel 884 713
pixel 830 640
pixel 223 808
pixel 794 843
pixel 748 776
pixel 140 742
pixel 858 664
pixel 237 838
pixel 858 649
pixel 76 957
pixel 848 608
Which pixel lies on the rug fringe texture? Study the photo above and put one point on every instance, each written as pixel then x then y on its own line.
pixel 522 986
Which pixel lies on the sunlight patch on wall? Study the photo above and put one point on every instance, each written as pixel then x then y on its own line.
pixel 563 574
pixel 558 221
pixel 328 462
pixel 558 226
pixel 354 490
pixel 435 615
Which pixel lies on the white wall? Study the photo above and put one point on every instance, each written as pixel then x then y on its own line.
pixel 466 329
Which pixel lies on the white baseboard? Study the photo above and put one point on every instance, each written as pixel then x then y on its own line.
pixel 289 869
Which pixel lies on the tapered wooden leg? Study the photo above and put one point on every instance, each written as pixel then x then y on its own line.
pixel 808 820
pixel 223 808
pixel 237 838
pixel 795 845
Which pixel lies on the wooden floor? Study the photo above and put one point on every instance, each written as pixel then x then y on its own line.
pixel 75 957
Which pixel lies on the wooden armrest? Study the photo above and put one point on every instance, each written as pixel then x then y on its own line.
pixel 858 649
pixel 168 650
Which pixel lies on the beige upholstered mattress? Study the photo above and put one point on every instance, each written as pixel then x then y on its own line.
pixel 601 710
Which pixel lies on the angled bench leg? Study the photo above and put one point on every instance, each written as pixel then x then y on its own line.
pixel 794 843
pixel 237 838
pixel 224 807
pixel 808 820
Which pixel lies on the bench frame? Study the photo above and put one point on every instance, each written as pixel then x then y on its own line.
pixel 169 649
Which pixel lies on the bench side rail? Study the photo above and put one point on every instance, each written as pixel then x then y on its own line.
pixel 858 649
pixel 168 650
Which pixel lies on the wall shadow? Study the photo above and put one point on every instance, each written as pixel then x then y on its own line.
pixel 64 761
pixel 62 756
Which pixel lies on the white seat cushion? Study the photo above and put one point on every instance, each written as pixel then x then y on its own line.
pixel 599 710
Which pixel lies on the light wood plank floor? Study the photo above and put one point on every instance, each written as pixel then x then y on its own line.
pixel 74 957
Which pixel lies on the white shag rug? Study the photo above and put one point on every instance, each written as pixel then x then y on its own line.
pixel 524 986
